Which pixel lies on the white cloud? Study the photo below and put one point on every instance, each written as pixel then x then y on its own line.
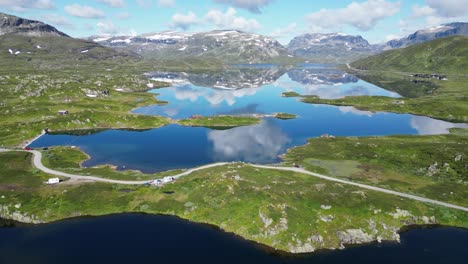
pixel 428 126
pixel 57 20
pixel 84 11
pixel 449 8
pixel 229 20
pixel 354 111
pixel 422 11
pixel 107 27
pixel 144 3
pixel 251 5
pixel 88 27
pixel 392 37
pixel 166 3
pixel 22 5
pixel 213 96
pixel 184 21
pixel 363 16
pixel 283 32
pixel 113 3
pixel 123 15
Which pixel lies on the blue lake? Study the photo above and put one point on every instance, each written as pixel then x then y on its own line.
pixel 136 238
pixel 242 93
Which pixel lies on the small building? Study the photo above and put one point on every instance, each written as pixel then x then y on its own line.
pixel 155 182
pixel 91 95
pixel 167 179
pixel 150 85
pixel 327 136
pixel 398 102
pixel 62 112
pixel 53 181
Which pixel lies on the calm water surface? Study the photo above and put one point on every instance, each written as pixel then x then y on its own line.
pixel 133 238
pixel 243 92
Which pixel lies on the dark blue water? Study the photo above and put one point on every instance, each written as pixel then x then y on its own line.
pixel 131 238
pixel 174 147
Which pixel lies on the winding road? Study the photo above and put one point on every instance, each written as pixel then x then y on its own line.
pixel 37 162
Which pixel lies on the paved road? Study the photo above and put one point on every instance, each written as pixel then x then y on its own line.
pixel 365 186
pixel 37 161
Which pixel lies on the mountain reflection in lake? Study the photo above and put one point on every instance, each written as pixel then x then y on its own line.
pixel 174 146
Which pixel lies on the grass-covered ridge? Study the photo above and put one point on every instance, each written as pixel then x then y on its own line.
pixel 219 121
pixel 69 160
pixel 30 102
pixel 287 211
pixel 285 116
pixel 407 72
pixel 432 166
pixel 446 55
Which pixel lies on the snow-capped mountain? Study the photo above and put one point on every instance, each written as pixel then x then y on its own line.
pixel 442 31
pixel 227 45
pixel 331 47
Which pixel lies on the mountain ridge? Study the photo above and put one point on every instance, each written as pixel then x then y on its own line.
pixel 230 46
pixel 330 47
pixel 427 34
pixel 10 24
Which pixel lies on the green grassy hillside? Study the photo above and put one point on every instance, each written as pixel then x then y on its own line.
pixel 55 52
pixel 446 55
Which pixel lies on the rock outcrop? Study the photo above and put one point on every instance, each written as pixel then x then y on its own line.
pixel 12 24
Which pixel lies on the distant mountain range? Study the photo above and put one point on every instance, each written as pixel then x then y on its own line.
pixel 420 36
pixel 229 46
pixel 332 47
pixel 36 41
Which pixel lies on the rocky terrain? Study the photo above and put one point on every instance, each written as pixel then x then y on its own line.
pixel 332 47
pixel 230 46
pixel 12 24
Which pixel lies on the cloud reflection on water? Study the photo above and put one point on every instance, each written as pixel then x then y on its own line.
pixel 429 126
pixel 259 143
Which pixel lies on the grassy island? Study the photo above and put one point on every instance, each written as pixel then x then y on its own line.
pixel 429 166
pixel 290 94
pixel 285 116
pixel 219 121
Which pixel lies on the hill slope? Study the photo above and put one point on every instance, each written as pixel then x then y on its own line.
pixel 446 55
pixel 18 25
pixel 29 44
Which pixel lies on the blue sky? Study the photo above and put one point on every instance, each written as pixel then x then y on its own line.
pixel 375 20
